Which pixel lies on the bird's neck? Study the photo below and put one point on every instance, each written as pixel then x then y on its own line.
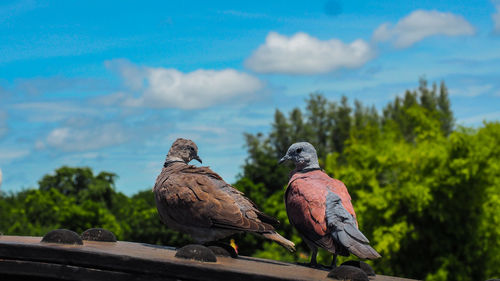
pixel 172 159
pixel 303 170
pixel 313 165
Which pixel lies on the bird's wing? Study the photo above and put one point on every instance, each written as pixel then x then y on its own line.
pixel 201 200
pixel 340 189
pixel 247 206
pixel 345 230
pixel 178 201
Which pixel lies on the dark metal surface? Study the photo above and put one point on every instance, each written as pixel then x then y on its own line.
pixel 62 236
pixel 27 257
pixel 98 234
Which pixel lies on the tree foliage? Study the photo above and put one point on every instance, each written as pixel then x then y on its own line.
pixel 76 199
pixel 426 194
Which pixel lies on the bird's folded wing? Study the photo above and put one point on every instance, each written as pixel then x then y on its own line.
pixel 345 230
pixel 198 200
pixel 336 215
pixel 247 206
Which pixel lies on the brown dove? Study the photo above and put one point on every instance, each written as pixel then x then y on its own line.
pixel 197 201
pixel 320 208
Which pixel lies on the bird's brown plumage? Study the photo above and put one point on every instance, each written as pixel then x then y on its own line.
pixel 197 201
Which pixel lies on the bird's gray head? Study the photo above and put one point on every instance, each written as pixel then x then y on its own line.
pixel 183 150
pixel 303 155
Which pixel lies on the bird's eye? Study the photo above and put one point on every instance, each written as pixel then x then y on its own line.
pixel 299 150
pixel 191 148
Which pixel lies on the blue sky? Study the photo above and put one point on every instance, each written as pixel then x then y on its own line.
pixel 111 84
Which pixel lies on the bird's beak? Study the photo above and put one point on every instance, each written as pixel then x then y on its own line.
pixel 284 159
pixel 198 158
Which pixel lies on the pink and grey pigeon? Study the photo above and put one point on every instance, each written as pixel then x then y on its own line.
pixel 197 201
pixel 320 208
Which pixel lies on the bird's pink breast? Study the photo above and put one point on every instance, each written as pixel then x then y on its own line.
pixel 306 200
pixel 306 208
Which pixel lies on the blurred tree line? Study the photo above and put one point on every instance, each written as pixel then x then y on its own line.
pixel 76 199
pixel 427 193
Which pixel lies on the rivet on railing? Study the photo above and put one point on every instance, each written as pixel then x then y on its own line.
pixel 196 252
pixel 362 265
pixel 62 236
pixel 348 272
pixel 98 234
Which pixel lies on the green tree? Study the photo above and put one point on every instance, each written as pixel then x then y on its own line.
pixel 142 223
pixel 318 121
pixel 446 115
pixel 81 184
pixel 342 118
pixel 299 131
pixel 280 133
pixel 35 212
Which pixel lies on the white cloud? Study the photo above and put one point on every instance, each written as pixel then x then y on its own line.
pixel 209 129
pixel 110 99
pixel 133 76
pixel 472 90
pixel 83 139
pixel 171 88
pixel 496 17
pixel 304 54
pixel 54 111
pixel 12 154
pixel 478 119
pixel 421 24
pixel 39 145
pixel 54 84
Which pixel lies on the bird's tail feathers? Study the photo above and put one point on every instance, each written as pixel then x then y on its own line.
pixel 357 243
pixel 289 245
pixel 364 251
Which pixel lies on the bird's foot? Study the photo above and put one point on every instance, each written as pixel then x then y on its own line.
pixel 196 252
pixel 222 249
